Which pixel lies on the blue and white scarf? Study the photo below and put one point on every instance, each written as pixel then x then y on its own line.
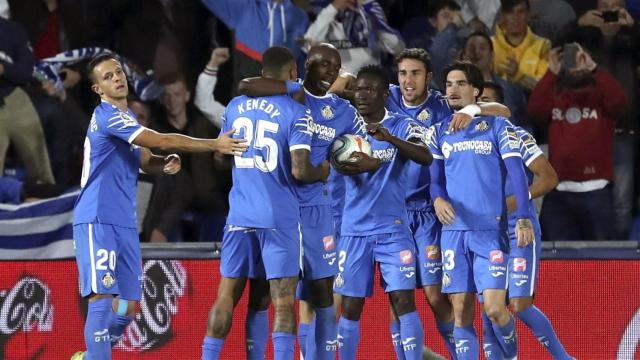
pixel 49 69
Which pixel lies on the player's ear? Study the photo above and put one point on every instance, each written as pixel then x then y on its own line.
pixel 188 95
pixel 476 92
pixel 96 89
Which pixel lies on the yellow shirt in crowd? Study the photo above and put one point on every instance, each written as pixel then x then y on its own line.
pixel 531 55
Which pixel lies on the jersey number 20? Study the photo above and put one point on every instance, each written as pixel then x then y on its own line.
pixel 268 160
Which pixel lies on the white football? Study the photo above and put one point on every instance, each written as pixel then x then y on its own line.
pixel 345 145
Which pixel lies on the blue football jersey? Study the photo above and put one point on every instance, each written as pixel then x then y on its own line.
pixel 264 194
pixel 375 202
pixel 110 169
pixel 332 117
pixel 474 169
pixel 530 151
pixel 433 110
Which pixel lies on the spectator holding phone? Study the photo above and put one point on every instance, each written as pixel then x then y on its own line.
pixel 612 36
pixel 580 104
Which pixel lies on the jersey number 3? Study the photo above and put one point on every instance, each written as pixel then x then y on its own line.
pixel 266 154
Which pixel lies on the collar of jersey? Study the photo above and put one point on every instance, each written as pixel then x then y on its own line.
pixel 415 106
pixel 327 95
pixel 386 116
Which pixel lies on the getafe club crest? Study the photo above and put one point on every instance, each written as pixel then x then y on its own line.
pixel 482 126
pixel 424 115
pixel 327 112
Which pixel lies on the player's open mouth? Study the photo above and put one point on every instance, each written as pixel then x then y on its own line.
pixel 325 84
pixel 453 97
pixel 119 87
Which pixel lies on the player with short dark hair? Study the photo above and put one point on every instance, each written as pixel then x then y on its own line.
pixel 374 224
pixel 427 107
pixel 320 208
pixel 492 92
pixel 105 233
pixel 467 185
pixel 262 239
pixel 524 262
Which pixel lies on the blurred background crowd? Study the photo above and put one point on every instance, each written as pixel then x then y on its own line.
pixel 184 59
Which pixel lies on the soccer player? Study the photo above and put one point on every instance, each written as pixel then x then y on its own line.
pixel 524 262
pixel 332 117
pixel 374 223
pixel 467 185
pixel 427 107
pixel 262 237
pixel 104 231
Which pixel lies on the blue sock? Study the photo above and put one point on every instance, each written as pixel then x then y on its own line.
pixel 326 337
pixel 303 330
pixel 412 336
pixel 117 325
pixel 96 329
pixel 507 338
pixel 348 337
pixel 257 332
pixel 311 340
pixel 396 339
pixel 211 348
pixel 542 329
pixel 446 331
pixel 466 343
pixel 283 345
pixel 492 349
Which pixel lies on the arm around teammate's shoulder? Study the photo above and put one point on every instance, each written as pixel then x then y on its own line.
pixel 176 142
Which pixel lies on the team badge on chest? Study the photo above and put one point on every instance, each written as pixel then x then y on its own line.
pixel 424 115
pixel 327 112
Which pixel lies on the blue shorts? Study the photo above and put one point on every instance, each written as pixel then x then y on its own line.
pixel 426 233
pixel 318 242
pixel 260 253
pixel 473 261
pixel 109 260
pixel 357 255
pixel 524 265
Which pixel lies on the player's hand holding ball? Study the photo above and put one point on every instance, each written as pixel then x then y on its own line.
pixel 351 155
pixel 524 232
pixel 172 164
pixel 227 145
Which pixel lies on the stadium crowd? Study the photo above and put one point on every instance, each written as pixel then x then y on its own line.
pixel 184 60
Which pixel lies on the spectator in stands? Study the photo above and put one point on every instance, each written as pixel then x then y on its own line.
pixel 478 49
pixel 480 15
pixel 65 126
pixel 549 17
pixel 204 99
pixel 520 55
pixel 448 40
pixel 259 24
pixel 580 104
pixel 359 31
pixel 614 40
pixel 19 123
pixel 162 199
pixel 208 177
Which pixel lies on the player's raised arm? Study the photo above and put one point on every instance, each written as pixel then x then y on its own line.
pixel 224 144
pixel 462 117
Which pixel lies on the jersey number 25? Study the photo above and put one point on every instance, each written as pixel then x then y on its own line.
pixel 266 159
